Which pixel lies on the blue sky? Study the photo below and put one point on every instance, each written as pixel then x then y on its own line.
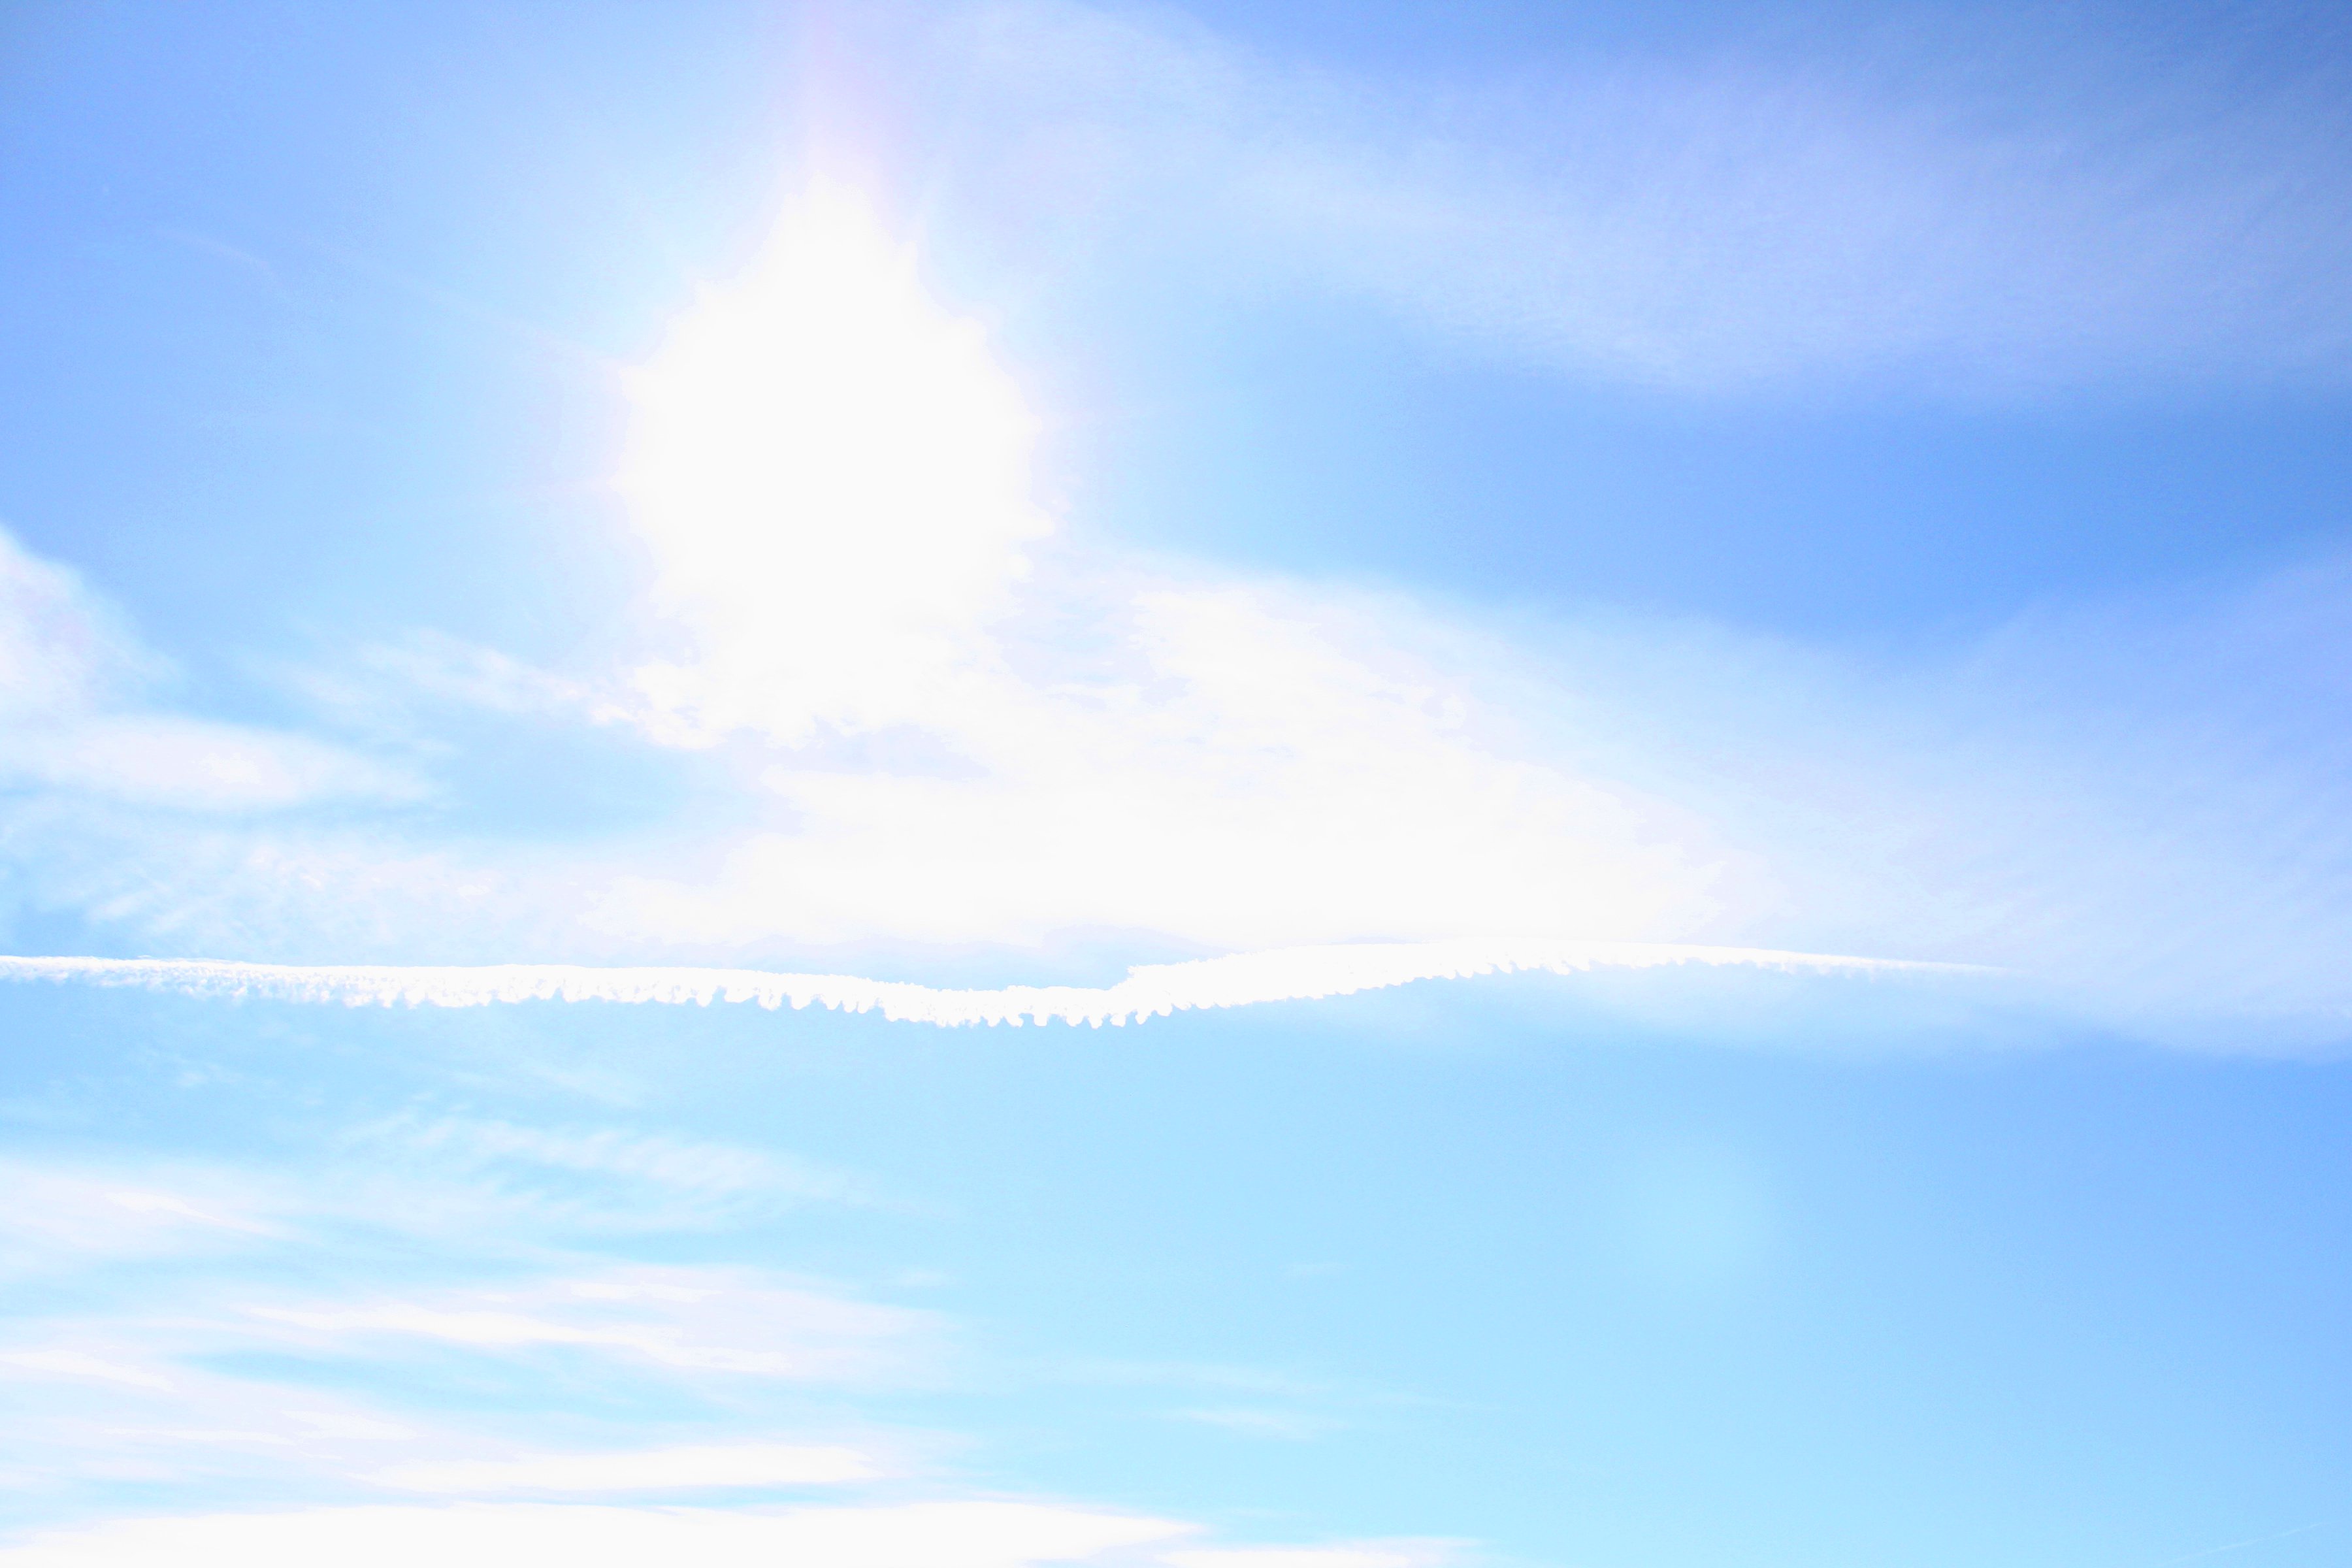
pixel 1220 787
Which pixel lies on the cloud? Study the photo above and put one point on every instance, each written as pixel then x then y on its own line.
pixel 161 760
pixel 600 1177
pixel 73 721
pixel 1355 1554
pixel 973 735
pixel 393 693
pixel 687 1321
pixel 441 666
pixel 1008 740
pixel 73 1363
pixel 2137 802
pixel 1136 748
pixel 938 728
pixel 1992 202
pixel 60 1218
pixel 2142 800
pixel 650 1469
pixel 938 1534
pixel 451 1182
pixel 210 1384
pixel 60 648
pixel 1150 990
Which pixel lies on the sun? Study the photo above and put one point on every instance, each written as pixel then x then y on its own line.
pixel 833 471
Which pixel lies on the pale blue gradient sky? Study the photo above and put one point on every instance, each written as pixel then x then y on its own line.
pixel 1859 480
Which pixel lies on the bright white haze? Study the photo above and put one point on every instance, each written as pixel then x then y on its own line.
pixel 834 475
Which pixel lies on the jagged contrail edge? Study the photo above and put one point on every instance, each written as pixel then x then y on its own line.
pixel 1296 973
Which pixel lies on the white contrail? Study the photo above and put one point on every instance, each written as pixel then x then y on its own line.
pixel 1150 990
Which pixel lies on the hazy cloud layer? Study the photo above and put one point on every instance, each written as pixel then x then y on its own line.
pixel 75 718
pixel 968 732
pixel 2140 803
pixel 943 1534
pixel 205 1372
pixel 1988 204
pixel 310 1388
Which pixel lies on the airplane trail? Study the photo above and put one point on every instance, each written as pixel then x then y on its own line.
pixel 1295 973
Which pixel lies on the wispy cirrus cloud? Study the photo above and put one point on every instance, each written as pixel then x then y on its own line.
pixel 1352 1554
pixel 1992 202
pixel 947 1533
pixel 76 721
pixel 66 1216
pixel 315 1403
pixel 1040 744
pixel 738 1465
pixel 690 1322
pixel 59 1360
pixel 940 1534
pixel 586 1177
pixel 228 1385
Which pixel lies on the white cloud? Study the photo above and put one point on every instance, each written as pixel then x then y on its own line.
pixel 2144 802
pixel 726 1465
pixel 447 667
pixel 205 1378
pixel 393 693
pixel 152 759
pixel 935 1534
pixel 1355 1554
pixel 73 721
pixel 60 1217
pixel 176 1206
pixel 1004 740
pixel 74 1363
pixel 2088 207
pixel 60 649
pixel 833 475
pixel 959 734
pixel 1145 748
pixel 692 1322
pixel 603 1177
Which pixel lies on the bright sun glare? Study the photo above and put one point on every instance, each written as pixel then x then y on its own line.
pixel 833 473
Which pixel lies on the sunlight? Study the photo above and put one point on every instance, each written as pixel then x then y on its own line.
pixel 834 475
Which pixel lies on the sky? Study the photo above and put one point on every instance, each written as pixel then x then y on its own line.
pixel 983 785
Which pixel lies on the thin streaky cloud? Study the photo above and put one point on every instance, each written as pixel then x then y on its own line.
pixel 688 1322
pixel 76 718
pixel 710 1177
pixel 729 1465
pixel 956 1533
pixel 1297 973
pixel 79 1365
pixel 1988 205
pixel 1354 1554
